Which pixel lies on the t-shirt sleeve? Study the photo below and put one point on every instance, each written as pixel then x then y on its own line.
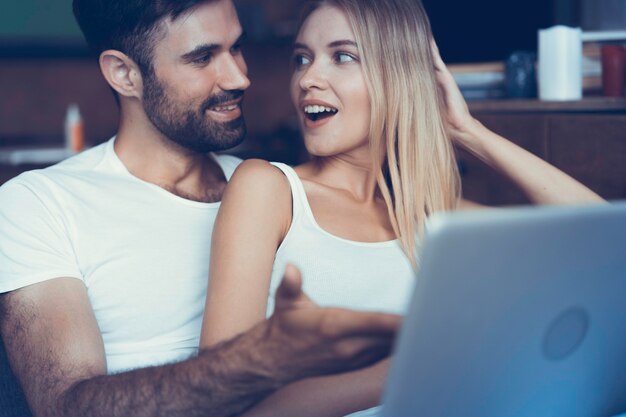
pixel 228 163
pixel 35 244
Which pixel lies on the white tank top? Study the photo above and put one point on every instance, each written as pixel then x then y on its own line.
pixel 375 276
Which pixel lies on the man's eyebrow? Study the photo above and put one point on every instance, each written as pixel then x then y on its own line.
pixel 209 48
pixel 200 50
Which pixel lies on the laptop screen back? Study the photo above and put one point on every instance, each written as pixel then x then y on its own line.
pixel 516 312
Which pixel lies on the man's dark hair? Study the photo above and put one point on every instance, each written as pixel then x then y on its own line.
pixel 129 26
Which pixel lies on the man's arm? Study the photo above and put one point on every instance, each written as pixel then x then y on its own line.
pixel 56 350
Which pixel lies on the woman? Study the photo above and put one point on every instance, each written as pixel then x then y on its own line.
pixel 378 110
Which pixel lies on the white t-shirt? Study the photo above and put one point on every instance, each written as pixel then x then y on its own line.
pixel 337 272
pixel 141 251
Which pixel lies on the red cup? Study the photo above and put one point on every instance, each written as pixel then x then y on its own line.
pixel 613 70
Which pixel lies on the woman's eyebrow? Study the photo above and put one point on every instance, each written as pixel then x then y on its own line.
pixel 343 42
pixel 333 44
pixel 297 45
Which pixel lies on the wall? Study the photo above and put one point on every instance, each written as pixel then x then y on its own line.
pixel 35 94
pixel 38 18
pixel 603 14
pixel 39 80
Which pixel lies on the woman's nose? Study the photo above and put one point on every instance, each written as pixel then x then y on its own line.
pixel 314 77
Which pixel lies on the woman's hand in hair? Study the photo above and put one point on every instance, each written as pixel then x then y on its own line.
pixel 461 127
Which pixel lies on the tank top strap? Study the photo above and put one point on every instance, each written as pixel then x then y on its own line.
pixel 300 201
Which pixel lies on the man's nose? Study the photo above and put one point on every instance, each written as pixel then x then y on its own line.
pixel 233 74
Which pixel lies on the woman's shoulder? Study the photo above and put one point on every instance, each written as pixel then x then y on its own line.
pixel 260 192
pixel 257 176
pixel 259 170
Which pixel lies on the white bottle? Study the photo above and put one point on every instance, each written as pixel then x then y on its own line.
pixel 560 64
pixel 74 135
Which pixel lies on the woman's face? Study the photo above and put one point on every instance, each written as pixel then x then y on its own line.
pixel 328 87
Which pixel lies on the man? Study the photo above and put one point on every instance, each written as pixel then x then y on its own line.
pixel 104 257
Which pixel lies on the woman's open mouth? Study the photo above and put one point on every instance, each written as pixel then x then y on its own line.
pixel 314 112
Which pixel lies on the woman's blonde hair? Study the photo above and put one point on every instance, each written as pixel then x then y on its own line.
pixel 413 157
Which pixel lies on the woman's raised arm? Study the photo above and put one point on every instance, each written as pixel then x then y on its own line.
pixel 541 182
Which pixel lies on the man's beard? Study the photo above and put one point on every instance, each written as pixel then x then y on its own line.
pixel 191 128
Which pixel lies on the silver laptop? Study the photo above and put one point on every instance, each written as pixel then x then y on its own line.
pixel 516 313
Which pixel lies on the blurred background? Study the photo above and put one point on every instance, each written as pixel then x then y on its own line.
pixel 45 66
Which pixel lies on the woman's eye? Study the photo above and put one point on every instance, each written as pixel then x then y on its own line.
pixel 301 60
pixel 343 57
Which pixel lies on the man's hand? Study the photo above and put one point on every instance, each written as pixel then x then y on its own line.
pixel 305 339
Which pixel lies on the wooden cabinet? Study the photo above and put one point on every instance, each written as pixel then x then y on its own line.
pixel 591 148
pixel 586 139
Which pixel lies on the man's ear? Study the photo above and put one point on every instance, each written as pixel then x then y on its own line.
pixel 122 73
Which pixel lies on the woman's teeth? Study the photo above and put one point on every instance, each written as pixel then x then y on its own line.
pixel 311 109
pixel 315 112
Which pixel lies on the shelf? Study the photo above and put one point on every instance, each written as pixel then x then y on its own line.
pixel 586 105
pixel 39 156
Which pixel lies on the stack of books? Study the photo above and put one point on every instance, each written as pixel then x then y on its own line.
pixel 480 81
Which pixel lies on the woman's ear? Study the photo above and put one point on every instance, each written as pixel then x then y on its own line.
pixel 122 73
